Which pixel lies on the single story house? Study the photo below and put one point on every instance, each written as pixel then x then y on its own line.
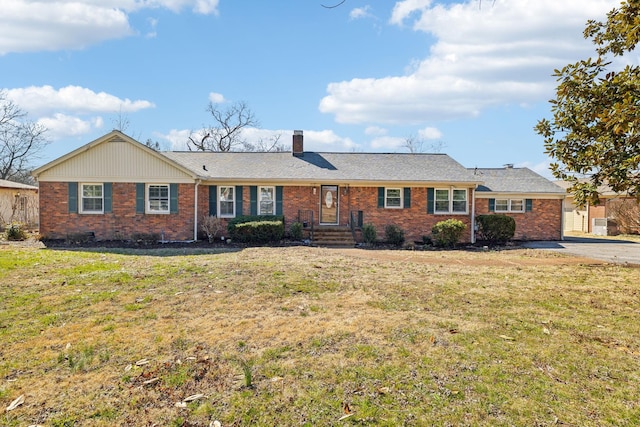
pixel 18 203
pixel 115 186
pixel 614 214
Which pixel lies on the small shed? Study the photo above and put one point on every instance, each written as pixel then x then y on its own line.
pixel 18 203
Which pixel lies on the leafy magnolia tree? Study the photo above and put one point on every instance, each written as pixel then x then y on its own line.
pixel 595 129
pixel 20 141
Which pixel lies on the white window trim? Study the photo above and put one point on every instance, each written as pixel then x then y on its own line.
pixel 450 209
pixel 522 201
pixel 509 204
pixel 148 209
pixel 81 199
pixel 260 199
pixel 219 200
pixel 386 197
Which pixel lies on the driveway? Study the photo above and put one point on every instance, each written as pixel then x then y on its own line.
pixel 614 251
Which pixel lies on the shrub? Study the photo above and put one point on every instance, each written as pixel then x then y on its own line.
pixel 447 233
pixel 369 233
pixel 496 228
pixel 212 226
pixel 256 228
pixel 295 231
pixel 16 232
pixel 394 235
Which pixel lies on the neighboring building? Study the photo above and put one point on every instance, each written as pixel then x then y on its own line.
pixel 532 200
pixel 18 203
pixel 115 186
pixel 604 218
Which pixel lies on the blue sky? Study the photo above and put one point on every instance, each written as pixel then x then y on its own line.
pixel 468 78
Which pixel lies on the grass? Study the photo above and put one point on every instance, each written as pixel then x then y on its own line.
pixel 307 336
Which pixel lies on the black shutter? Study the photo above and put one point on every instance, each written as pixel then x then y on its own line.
pixel 430 200
pixel 213 200
pixel 407 197
pixel 279 200
pixel 239 200
pixel 173 198
pixel 107 189
pixel 73 197
pixel 492 205
pixel 381 197
pixel 253 200
pixel 528 205
pixel 140 197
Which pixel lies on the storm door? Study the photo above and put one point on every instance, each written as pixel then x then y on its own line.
pixel 329 204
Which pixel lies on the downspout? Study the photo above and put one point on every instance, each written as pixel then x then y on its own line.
pixel 195 212
pixel 473 214
pixel 562 219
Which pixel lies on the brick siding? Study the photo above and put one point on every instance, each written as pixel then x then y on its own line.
pixel 57 223
pixel 542 223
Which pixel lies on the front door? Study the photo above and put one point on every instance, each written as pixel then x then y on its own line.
pixel 329 204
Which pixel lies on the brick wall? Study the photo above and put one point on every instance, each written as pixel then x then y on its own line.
pixel 542 223
pixel 414 220
pixel 56 222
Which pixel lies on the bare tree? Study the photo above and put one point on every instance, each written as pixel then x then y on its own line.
pixel 20 140
pixel 226 133
pixel 121 121
pixel 416 144
pixel 266 145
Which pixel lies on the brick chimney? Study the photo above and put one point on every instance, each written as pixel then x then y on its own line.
pixel 298 144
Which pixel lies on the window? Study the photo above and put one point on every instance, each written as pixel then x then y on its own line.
pixel 227 206
pixel 453 200
pixel 266 202
pixel 158 198
pixel 459 201
pixel 393 198
pixel 516 205
pixel 442 201
pixel 509 205
pixel 92 198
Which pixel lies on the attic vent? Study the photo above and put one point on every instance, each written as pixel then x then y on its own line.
pixel 117 139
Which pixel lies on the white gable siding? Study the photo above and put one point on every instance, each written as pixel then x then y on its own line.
pixel 115 160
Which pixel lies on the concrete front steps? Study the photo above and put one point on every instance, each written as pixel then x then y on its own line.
pixel 333 237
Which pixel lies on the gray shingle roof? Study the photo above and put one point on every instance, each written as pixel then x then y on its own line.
pixel 313 166
pixel 514 180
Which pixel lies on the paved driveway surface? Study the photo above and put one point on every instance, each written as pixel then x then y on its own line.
pixel 615 251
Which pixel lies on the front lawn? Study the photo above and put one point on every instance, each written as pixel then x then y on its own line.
pixel 308 336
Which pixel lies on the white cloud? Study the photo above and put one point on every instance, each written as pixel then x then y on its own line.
pixel 324 140
pixel 61 125
pixel 430 133
pixel 375 131
pixel 502 53
pixel 327 140
pixel 43 100
pixel 71 110
pixel 388 143
pixel 31 26
pixel 152 33
pixel 216 98
pixel 177 138
pixel 360 12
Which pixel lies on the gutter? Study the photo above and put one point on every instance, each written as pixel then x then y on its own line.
pixel 473 214
pixel 195 211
